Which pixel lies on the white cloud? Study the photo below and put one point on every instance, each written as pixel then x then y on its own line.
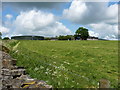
pixel 75 12
pixel 91 12
pixel 38 23
pixel 8 16
pixel 4 30
pixel 92 33
pixel 102 19
pixel 105 30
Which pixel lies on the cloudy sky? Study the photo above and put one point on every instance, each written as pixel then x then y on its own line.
pixel 60 18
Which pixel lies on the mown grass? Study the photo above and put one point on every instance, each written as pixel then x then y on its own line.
pixel 67 64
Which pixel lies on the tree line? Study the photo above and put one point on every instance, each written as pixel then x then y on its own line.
pixel 80 34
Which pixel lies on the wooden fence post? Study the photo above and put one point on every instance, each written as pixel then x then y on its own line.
pixel 104 83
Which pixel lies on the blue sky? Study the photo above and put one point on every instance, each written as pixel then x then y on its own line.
pixel 67 18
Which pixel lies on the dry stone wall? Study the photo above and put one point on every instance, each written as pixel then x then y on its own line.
pixel 13 76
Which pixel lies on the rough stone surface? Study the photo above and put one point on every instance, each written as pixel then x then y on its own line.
pixel 12 76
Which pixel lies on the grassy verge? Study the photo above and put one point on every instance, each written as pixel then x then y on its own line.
pixel 67 64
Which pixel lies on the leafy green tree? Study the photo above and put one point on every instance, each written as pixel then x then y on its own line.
pixel 47 38
pixel 82 33
pixel 67 37
pixel 6 38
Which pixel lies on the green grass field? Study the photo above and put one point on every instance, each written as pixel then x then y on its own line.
pixel 67 64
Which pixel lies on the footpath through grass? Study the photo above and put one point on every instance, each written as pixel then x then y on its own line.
pixel 67 64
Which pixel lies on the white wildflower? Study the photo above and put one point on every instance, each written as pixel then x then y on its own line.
pixel 46 72
pixel 36 69
pixel 54 62
pixel 68 63
pixel 47 69
pixel 41 67
pixel 59 75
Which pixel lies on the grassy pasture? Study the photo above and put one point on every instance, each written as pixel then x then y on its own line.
pixel 67 64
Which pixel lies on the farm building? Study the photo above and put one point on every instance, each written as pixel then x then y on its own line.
pixel 27 37
pixel 92 38
pixel 89 38
pixel 54 38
